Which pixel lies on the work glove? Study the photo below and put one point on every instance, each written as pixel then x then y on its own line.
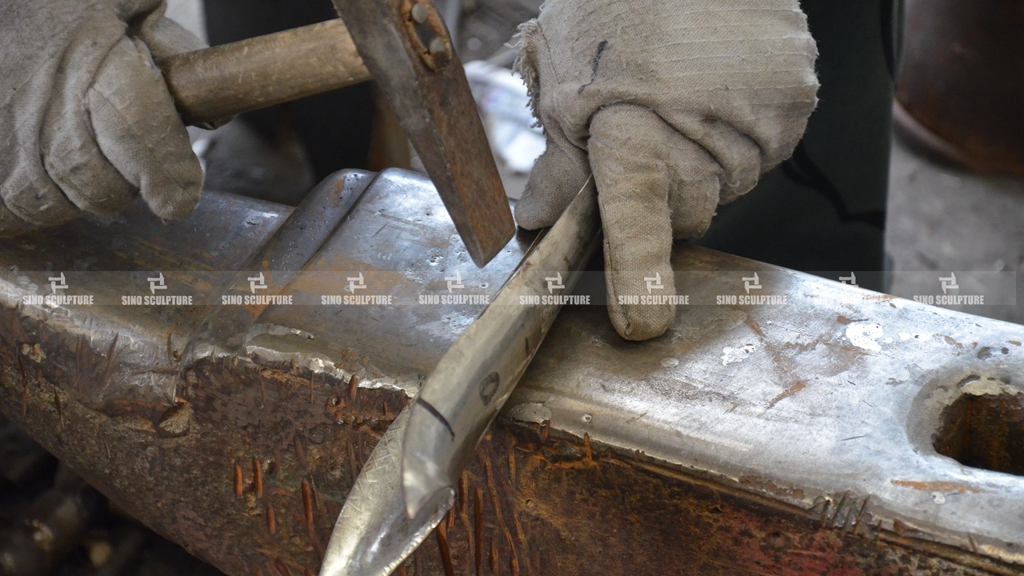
pixel 675 107
pixel 86 121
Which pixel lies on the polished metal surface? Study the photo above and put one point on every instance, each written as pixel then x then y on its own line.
pixel 374 535
pixel 825 408
pixel 475 377
pixel 408 484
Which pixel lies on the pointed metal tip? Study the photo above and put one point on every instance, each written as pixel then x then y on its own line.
pixel 373 535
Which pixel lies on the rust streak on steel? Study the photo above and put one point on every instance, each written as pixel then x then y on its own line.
pixel 271 519
pixel 442 544
pixel 238 480
pixel 257 477
pixel 544 429
pixel 281 567
pixel 512 466
pixel 586 446
pixel 478 526
pixel 307 508
pixel 400 571
pixel 463 491
pixel 494 557
pixel 520 535
pixel 353 387
pixel 496 502
pixel 311 375
pixel 463 510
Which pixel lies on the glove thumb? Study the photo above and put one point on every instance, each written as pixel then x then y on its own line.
pixel 557 176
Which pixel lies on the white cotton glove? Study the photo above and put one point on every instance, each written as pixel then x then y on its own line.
pixel 675 106
pixel 86 121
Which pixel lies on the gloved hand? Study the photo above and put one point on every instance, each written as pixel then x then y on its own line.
pixel 675 106
pixel 86 121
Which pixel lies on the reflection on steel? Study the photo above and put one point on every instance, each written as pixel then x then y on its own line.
pixel 804 450
pixel 374 535
pixel 430 443
pixel 475 377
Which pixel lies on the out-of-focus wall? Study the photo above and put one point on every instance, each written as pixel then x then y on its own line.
pixel 188 13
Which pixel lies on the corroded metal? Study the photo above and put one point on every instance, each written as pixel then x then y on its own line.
pixel 812 452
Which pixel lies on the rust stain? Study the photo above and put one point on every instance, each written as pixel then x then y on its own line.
pixel 844 320
pixel 478 525
pixel 787 393
pixel 442 544
pixel 496 503
pixel 937 486
pixel 271 519
pixel 307 508
pixel 353 387
pixel 257 477
pixel 753 326
pixel 494 557
pixel 281 567
pixel 238 480
pixel 1014 342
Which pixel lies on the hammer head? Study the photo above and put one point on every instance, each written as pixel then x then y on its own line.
pixel 407 49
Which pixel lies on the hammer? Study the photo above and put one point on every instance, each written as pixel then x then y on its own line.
pixel 405 47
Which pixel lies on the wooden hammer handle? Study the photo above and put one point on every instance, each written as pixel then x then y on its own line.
pixel 211 86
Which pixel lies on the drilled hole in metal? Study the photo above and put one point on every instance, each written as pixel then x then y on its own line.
pixel 984 431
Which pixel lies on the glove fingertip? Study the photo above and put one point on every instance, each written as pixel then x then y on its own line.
pixel 176 201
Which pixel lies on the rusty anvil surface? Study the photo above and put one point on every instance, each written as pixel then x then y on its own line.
pixel 748 439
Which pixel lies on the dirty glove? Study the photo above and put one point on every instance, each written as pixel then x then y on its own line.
pixel 86 121
pixel 675 106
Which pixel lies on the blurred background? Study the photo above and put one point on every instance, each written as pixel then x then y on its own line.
pixel 914 162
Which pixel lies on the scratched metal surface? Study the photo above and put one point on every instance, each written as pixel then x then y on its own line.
pixel 793 406
pixel 822 404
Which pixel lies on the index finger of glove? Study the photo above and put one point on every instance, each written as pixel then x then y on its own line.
pixel 140 133
pixel 557 176
pixel 627 155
